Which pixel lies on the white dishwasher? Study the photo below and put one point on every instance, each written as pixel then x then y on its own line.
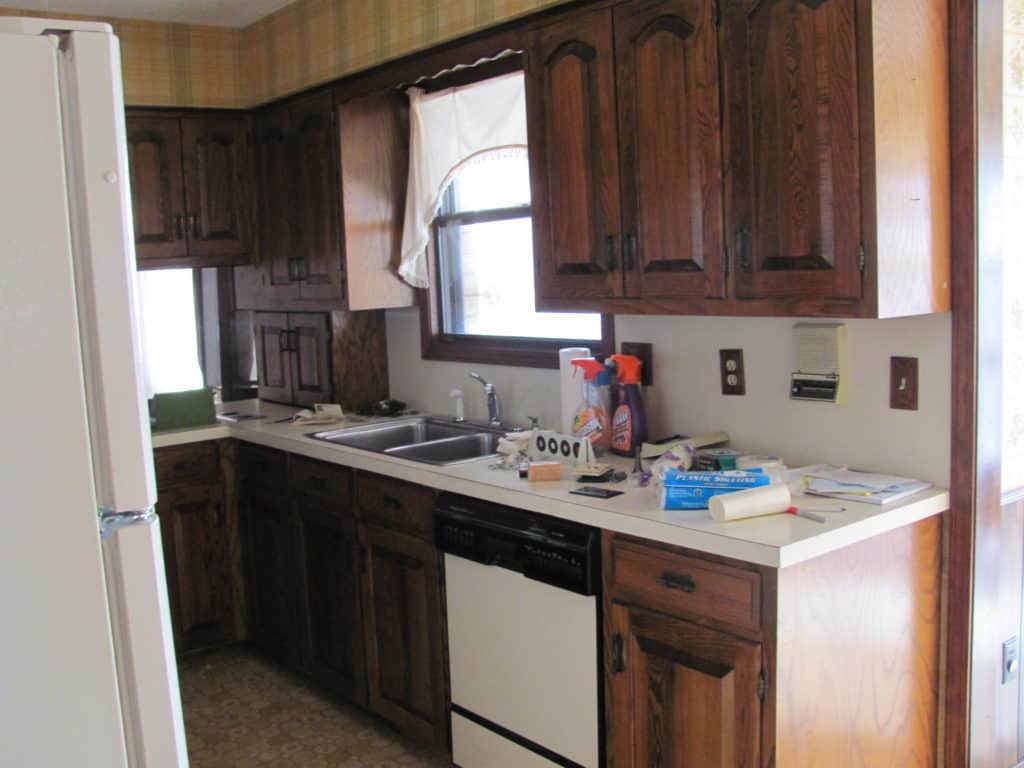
pixel 522 612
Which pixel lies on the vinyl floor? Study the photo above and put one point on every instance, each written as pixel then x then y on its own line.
pixel 241 711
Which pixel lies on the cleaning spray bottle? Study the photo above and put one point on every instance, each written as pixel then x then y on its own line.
pixel 592 415
pixel 629 422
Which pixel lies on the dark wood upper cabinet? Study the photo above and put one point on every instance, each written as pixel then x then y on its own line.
pixel 191 186
pixel 574 166
pixel 218 179
pixel 681 694
pixel 274 198
pixel 293 357
pixel 310 347
pixel 781 157
pixel 666 53
pixel 158 192
pixel 317 209
pixel 795 136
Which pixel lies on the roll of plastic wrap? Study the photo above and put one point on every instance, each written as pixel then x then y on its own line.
pixel 570 384
pixel 766 500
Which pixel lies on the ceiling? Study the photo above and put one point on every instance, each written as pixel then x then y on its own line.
pixel 226 13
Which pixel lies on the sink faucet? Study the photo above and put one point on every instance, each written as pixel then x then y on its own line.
pixel 493 406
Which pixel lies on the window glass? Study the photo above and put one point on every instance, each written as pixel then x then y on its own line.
pixel 484 241
pixel 167 327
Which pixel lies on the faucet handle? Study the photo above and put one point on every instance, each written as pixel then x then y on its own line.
pixel 487 387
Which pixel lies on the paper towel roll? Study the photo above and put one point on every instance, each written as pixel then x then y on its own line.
pixel 754 502
pixel 571 384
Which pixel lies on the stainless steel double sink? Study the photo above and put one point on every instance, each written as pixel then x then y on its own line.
pixel 426 439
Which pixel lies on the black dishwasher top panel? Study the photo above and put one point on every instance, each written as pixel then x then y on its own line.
pixel 546 549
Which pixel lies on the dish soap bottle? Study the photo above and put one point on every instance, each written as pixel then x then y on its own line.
pixel 592 415
pixel 629 422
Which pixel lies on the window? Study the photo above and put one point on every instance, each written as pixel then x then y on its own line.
pixel 469 205
pixel 484 244
pixel 167 328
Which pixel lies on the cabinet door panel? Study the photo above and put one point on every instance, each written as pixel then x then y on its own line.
pixel 574 166
pixel 682 695
pixel 157 189
pixel 794 147
pixel 216 166
pixel 402 615
pixel 670 145
pixel 331 588
pixel 271 567
pixel 275 199
pixel 273 360
pixel 318 210
pixel 310 358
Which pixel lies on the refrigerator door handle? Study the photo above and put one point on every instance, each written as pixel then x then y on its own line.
pixel 111 522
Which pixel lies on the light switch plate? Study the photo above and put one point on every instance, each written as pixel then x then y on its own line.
pixel 1011 660
pixel 903 383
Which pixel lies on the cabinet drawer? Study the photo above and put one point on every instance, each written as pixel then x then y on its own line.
pixel 262 467
pixel 680 585
pixel 194 464
pixel 402 506
pixel 328 483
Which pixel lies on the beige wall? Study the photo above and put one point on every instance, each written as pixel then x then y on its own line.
pixel 686 397
pixel 173 65
pixel 306 43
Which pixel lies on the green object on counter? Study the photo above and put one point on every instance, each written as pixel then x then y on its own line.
pixel 181 410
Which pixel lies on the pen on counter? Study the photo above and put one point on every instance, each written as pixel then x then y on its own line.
pixel 806 513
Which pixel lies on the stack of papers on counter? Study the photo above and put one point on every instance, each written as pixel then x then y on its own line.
pixel 851 485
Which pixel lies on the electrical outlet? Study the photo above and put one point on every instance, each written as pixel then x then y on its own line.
pixel 903 383
pixel 734 380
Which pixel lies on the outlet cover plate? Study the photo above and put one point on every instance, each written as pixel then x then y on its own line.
pixel 734 379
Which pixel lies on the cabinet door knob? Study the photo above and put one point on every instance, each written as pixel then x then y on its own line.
pixel 193 222
pixel 743 247
pixel 611 258
pixel 179 226
pixel 629 257
pixel 390 502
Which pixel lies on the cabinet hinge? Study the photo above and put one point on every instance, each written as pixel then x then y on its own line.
pixel 725 261
pixel 862 258
pixel 762 685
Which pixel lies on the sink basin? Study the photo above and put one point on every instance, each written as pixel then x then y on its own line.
pixel 450 451
pixel 422 438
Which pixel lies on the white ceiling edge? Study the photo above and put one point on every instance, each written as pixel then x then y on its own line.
pixel 221 13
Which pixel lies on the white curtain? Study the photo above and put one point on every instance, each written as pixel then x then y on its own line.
pixel 448 129
pixel 167 328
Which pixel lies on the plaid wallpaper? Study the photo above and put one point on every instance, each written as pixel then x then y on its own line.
pixel 305 43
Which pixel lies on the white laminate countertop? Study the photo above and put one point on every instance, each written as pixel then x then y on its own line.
pixel 776 541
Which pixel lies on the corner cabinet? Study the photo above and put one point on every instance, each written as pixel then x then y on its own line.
pixel 331 177
pixel 191 187
pixel 712 158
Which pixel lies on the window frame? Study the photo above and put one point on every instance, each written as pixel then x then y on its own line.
pixel 520 351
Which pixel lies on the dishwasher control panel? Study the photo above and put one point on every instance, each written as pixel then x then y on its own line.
pixel 546 549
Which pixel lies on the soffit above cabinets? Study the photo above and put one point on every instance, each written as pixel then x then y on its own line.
pixel 226 13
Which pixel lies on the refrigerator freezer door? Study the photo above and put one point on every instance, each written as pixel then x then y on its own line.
pixel 59 703
pixel 101 227
pixel 148 679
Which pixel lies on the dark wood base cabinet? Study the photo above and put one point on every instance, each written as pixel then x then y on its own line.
pixel 711 663
pixel 197 526
pixel 344 585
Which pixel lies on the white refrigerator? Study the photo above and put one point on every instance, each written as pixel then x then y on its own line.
pixel 87 672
